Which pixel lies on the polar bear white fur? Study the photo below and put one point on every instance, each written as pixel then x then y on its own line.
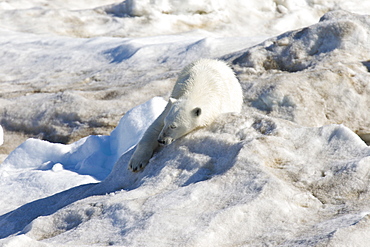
pixel 204 90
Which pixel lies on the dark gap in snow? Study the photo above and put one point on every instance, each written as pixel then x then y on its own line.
pixel 367 65
pixel 365 138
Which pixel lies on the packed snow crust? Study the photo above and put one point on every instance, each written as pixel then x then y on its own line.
pixel 291 170
pixel 133 18
pixel 287 76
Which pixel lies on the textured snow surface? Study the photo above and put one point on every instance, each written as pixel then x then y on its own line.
pixel 292 169
pixel 312 76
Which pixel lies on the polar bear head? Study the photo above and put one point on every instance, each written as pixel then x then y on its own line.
pixel 181 119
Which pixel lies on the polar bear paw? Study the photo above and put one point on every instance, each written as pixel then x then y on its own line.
pixel 139 161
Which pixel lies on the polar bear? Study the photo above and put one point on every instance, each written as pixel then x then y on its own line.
pixel 204 90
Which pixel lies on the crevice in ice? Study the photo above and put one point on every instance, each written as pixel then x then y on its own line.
pixel 367 65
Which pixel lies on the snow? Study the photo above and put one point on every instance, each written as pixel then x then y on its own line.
pixel 336 49
pixel 37 164
pixel 86 78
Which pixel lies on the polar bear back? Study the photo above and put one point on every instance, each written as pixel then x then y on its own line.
pixel 210 85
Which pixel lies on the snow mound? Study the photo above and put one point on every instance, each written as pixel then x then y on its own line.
pixel 245 180
pixel 313 76
pixel 305 48
pixel 47 168
pixel 141 8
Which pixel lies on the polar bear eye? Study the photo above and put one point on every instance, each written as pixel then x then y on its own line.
pixel 197 111
pixel 172 126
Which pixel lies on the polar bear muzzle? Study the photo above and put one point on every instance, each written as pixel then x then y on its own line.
pixel 165 140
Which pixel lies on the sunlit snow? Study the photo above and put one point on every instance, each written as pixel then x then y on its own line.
pixel 86 78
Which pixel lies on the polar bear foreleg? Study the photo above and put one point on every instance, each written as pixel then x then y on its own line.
pixel 148 143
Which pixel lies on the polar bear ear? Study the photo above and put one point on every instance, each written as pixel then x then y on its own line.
pixel 197 111
pixel 172 100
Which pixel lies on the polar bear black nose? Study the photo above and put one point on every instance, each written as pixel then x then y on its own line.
pixel 161 141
